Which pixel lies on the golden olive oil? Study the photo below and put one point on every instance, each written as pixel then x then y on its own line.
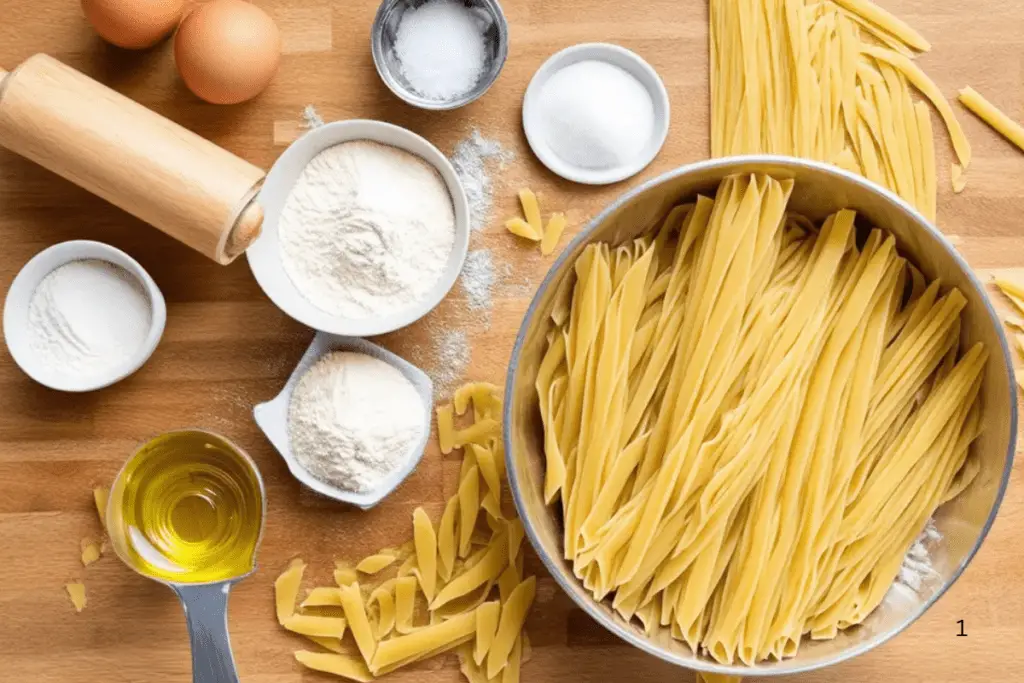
pixel 187 508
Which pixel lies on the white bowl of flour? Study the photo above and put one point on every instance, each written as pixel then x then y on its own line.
pixel 351 430
pixel 82 315
pixel 366 229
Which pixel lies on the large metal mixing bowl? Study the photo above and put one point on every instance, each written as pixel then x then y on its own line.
pixel 819 191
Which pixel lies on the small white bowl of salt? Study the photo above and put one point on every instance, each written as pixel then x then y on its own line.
pixel 82 315
pixel 596 113
pixel 352 421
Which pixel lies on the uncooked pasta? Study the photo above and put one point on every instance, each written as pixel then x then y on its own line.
pixel 830 81
pixel 748 419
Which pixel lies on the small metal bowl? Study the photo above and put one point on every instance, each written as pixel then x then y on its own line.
pixel 382 41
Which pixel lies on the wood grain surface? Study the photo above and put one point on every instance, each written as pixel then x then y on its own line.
pixel 227 347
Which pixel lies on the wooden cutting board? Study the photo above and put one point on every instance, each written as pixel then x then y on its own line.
pixel 227 347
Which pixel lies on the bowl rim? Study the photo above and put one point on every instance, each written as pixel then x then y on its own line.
pixel 553 565
pixel 408 96
pixel 264 256
pixel 615 55
pixel 19 297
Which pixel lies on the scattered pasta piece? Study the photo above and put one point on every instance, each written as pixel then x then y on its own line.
pixel 478 433
pixel 426 552
pixel 405 603
pixel 488 465
pixel 513 616
pixel 90 551
pixel 510 578
pixel 100 496
pixel 516 532
pixel 76 591
pixel 323 596
pixel 286 590
pixel 345 576
pixel 471 670
pixel 345 666
pixel 469 509
pixel 483 395
pixel 425 642
pixel 993 116
pixel 531 209
pixel 510 673
pixel 445 428
pixel 1012 291
pixel 447 541
pixel 520 228
pixel 552 233
pixel 489 568
pixel 312 625
pixel 376 563
pixel 385 602
pixel 329 644
pixel 355 613
pixel 486 628
pixel 959 177
pixel 408 567
pixel 533 227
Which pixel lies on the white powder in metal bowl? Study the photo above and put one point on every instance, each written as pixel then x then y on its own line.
pixel 367 230
pixel 353 420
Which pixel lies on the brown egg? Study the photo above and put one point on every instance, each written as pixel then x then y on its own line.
pixel 227 51
pixel 133 24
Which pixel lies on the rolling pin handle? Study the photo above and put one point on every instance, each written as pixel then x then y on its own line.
pixel 245 231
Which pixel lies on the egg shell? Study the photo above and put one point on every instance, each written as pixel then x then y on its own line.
pixel 227 51
pixel 133 24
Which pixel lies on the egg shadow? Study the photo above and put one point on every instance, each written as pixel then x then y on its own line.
pixel 118 67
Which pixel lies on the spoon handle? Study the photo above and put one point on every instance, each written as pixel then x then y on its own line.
pixel 206 610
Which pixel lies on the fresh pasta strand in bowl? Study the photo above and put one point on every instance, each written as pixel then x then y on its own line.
pixel 748 416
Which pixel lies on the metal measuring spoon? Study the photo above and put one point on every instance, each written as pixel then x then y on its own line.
pixel 205 603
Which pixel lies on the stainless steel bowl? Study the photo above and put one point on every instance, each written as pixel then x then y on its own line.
pixel 382 41
pixel 820 190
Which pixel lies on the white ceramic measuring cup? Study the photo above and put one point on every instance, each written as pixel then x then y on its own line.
pixel 272 417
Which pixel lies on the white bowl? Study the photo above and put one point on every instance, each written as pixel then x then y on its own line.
pixel 265 254
pixel 617 56
pixel 17 333
pixel 272 417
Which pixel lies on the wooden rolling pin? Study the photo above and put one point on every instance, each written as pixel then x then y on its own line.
pixel 188 187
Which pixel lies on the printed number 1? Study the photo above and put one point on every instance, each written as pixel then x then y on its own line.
pixel 962 632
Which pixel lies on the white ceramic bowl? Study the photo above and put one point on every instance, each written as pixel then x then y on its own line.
pixel 265 254
pixel 617 56
pixel 272 417
pixel 17 333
